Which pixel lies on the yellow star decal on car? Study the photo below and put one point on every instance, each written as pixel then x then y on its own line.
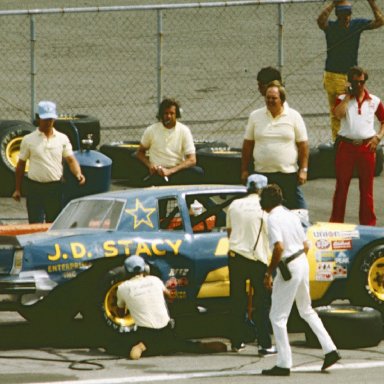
pixel 141 215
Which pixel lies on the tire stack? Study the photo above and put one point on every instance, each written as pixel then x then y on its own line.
pixel 11 134
pixel 322 161
pixel 349 326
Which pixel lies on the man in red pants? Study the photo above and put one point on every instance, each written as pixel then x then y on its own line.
pixel 356 145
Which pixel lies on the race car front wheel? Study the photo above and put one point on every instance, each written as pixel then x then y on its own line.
pixel 366 286
pixel 101 309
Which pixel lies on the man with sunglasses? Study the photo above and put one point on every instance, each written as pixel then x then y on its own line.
pixel 343 39
pixel 356 145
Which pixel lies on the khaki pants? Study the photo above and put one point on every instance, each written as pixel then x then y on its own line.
pixel 334 85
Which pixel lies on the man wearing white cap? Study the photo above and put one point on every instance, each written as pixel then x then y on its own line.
pixel 248 259
pixel 45 148
pixel 143 296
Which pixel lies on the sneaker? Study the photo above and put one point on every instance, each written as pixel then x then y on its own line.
pixel 330 359
pixel 276 371
pixel 238 347
pixel 267 351
pixel 136 351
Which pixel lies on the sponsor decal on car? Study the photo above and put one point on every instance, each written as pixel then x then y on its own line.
pixel 342 244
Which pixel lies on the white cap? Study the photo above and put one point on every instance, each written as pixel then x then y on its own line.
pixel 196 208
pixel 47 110
pixel 258 181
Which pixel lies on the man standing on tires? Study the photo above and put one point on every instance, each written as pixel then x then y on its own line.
pixel 45 148
pixel 343 40
pixel 167 149
pixel 248 260
pixel 356 145
pixel 291 284
pixel 143 296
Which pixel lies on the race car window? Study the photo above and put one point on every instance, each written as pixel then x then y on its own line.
pixel 169 215
pixel 208 212
pixel 94 214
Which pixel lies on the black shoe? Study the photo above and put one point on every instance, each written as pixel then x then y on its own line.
pixel 276 371
pixel 330 359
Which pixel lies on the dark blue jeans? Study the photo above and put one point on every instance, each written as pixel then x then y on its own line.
pixel 192 175
pixel 292 193
pixel 241 269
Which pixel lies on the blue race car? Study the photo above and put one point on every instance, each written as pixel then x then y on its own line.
pixel 76 266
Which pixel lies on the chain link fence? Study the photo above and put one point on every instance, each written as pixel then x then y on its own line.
pixel 116 62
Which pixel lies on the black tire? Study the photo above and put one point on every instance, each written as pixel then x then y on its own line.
pixel 314 163
pixel 221 165
pixel 349 326
pixel 367 275
pixel 87 127
pixel 326 161
pixel 124 163
pixel 209 144
pixel 101 308
pixel 11 134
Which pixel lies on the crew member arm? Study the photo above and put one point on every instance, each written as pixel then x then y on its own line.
pixel 379 17
pixel 322 20
pixel 19 174
pixel 246 156
pixel 277 252
pixel 141 155
pixel 303 154
pixel 189 161
pixel 75 169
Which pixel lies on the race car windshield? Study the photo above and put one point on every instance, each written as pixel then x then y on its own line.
pixel 93 214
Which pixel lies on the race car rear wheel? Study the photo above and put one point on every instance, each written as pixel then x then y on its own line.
pixel 366 286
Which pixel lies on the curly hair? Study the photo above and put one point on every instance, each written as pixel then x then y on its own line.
pixel 167 103
pixel 271 196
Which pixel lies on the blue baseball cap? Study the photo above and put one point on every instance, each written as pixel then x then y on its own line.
pixel 134 264
pixel 257 181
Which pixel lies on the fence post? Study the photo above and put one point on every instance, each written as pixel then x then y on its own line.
pixel 33 67
pixel 280 47
pixel 159 55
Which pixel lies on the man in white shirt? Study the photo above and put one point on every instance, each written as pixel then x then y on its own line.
pixel 45 148
pixel 248 260
pixel 143 296
pixel 167 149
pixel 276 139
pixel 291 284
pixel 356 145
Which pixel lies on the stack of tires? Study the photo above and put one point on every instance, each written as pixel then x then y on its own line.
pixel 322 161
pixel 11 134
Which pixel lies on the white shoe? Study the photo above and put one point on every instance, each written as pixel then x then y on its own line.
pixel 267 351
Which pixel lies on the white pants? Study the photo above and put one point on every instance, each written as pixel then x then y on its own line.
pixel 284 294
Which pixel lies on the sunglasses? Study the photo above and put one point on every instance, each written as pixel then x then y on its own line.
pixel 358 82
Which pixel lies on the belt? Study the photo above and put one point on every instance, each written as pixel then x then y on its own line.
pixel 294 256
pixel 354 141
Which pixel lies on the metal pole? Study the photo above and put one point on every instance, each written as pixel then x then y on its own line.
pixel 280 48
pixel 159 55
pixel 33 67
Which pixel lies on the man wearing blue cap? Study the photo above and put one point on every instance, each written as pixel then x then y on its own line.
pixel 143 296
pixel 343 39
pixel 248 260
pixel 45 149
